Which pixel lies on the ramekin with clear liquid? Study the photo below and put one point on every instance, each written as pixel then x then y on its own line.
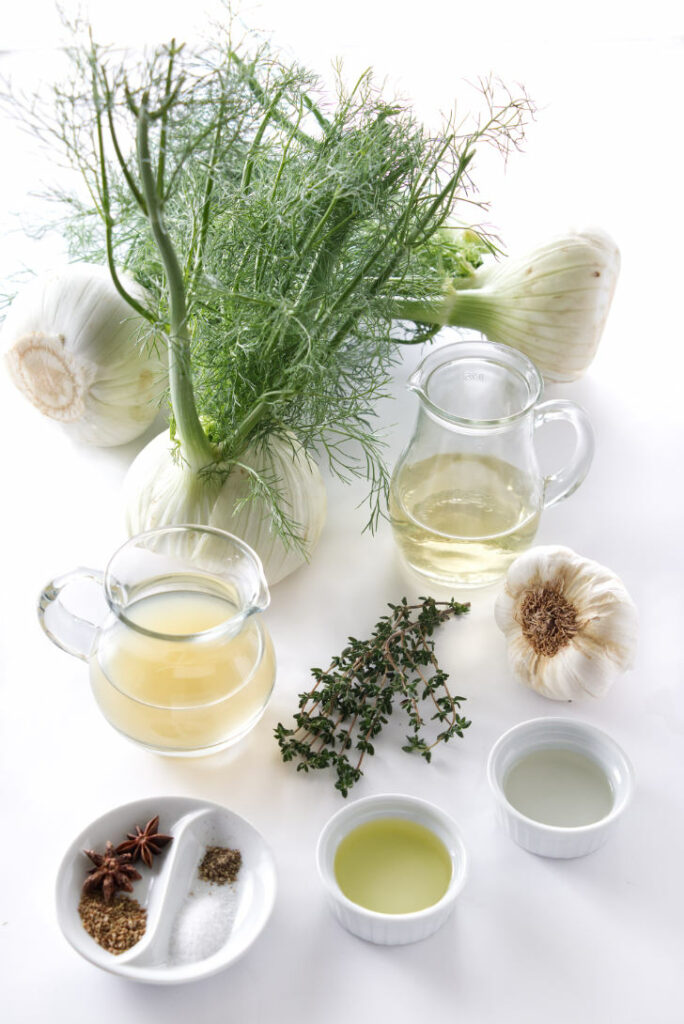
pixel 559 734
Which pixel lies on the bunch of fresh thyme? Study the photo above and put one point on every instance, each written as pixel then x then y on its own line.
pixel 349 704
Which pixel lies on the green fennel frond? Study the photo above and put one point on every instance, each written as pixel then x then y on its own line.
pixel 297 223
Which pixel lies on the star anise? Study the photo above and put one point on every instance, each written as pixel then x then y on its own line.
pixel 112 872
pixel 144 842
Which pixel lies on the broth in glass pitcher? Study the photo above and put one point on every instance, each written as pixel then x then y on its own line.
pixel 180 662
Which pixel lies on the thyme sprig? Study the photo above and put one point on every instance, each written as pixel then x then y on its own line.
pixel 351 702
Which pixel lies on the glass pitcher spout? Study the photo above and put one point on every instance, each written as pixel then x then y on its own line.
pixel 180 558
pixel 416 380
pixel 477 384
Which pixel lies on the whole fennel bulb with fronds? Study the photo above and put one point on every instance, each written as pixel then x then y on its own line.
pixel 550 303
pixel 272 232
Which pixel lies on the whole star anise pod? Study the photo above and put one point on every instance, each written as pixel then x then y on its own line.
pixel 111 872
pixel 144 842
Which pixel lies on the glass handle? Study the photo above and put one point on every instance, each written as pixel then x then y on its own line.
pixel 73 633
pixel 566 480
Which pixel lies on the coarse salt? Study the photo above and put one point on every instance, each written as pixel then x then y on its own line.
pixel 203 923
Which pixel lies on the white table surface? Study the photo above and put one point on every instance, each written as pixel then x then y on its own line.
pixel 532 940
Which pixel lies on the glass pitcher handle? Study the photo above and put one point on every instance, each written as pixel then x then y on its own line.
pixel 564 482
pixel 71 632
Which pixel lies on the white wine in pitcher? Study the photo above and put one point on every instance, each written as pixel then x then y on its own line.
pixel 465 517
pixel 467 492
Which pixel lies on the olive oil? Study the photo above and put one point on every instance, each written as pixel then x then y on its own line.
pixel 559 787
pixel 462 519
pixel 178 691
pixel 393 866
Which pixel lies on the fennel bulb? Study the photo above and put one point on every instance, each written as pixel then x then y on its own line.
pixel 75 348
pixel 551 303
pixel 271 230
pixel 161 489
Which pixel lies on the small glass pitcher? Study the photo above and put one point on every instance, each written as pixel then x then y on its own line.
pixel 467 493
pixel 179 660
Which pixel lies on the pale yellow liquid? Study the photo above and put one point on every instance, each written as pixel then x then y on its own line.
pixel 392 866
pixel 182 695
pixel 462 519
pixel 559 787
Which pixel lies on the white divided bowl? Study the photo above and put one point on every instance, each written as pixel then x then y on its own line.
pixel 163 889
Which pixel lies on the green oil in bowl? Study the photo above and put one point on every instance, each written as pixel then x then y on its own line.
pixel 393 866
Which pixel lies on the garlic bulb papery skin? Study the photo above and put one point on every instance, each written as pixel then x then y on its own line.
pixel 79 353
pixel 551 304
pixel 570 624
pixel 160 490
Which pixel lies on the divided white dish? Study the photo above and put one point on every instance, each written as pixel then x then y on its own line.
pixel 194 824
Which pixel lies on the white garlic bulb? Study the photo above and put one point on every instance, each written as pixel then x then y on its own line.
pixel 79 353
pixel 161 489
pixel 570 624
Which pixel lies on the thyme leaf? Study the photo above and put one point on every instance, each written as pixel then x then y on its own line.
pixel 345 710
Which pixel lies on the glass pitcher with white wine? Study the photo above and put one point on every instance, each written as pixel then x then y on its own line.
pixel 467 493
pixel 180 661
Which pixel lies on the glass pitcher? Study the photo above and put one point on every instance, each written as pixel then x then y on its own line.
pixel 467 493
pixel 179 659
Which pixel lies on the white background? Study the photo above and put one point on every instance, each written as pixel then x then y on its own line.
pixel 597 940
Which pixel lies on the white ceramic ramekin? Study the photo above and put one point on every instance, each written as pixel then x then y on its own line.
pixel 390 929
pixel 559 733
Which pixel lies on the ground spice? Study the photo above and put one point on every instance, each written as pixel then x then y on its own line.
pixel 116 926
pixel 220 865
